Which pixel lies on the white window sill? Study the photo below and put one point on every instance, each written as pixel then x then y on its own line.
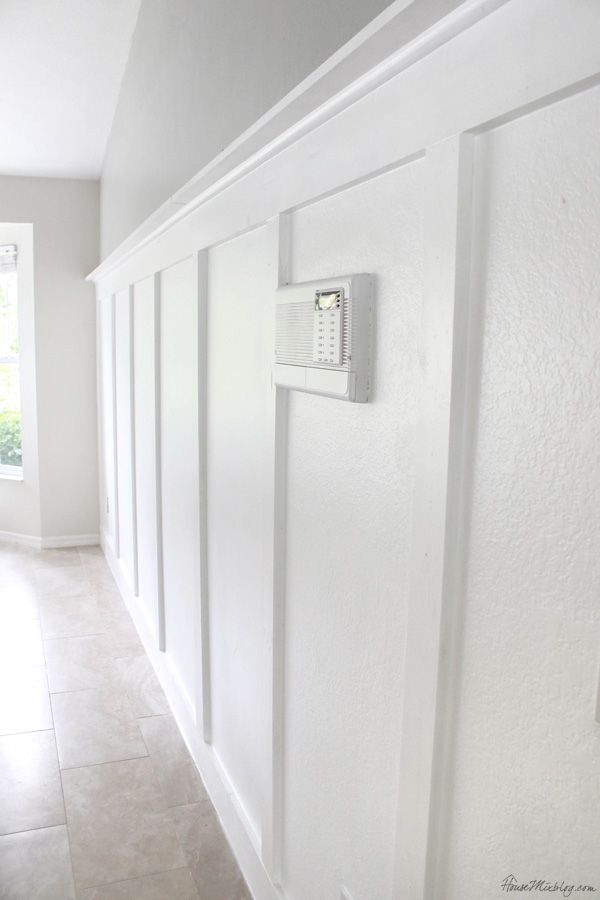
pixel 11 473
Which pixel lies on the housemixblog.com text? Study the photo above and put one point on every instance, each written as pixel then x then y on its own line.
pixel 512 883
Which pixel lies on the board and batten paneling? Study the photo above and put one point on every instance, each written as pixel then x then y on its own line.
pixel 179 438
pixel 347 744
pixel 145 366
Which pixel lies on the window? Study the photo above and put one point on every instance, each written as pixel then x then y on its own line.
pixel 10 402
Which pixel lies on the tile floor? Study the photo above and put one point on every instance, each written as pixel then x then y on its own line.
pixel 99 799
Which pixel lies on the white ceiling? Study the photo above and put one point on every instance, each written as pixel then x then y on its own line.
pixel 61 65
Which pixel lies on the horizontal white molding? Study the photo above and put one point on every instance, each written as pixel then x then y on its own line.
pixel 27 540
pixel 460 84
pixel 227 805
pixel 71 540
pixel 48 543
pixel 401 36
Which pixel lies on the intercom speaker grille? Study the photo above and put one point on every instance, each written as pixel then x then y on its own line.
pixel 294 335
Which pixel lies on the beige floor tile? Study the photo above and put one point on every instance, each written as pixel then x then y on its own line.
pixel 20 645
pixel 80 663
pixel 124 639
pixel 13 550
pixel 30 788
pixel 24 701
pixel 62 581
pixel 142 686
pixel 179 779
pixel 95 726
pixel 118 824
pixel 177 884
pixel 35 865
pixel 208 854
pixel 58 557
pixel 92 551
pixel 99 577
pixel 72 617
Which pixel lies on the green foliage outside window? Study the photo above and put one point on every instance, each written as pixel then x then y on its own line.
pixel 10 404
pixel 10 438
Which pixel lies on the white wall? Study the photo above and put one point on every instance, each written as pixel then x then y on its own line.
pixel 64 216
pixel 530 635
pixel 381 620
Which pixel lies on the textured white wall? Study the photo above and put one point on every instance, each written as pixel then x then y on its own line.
pixel 350 482
pixel 64 214
pixel 199 74
pixel 527 750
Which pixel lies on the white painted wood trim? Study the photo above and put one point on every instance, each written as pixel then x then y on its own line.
pixel 160 579
pixel 272 815
pixel 132 444
pixel 401 36
pixel 47 543
pixel 436 502
pixel 113 365
pixel 203 701
pixel 100 418
pixel 455 89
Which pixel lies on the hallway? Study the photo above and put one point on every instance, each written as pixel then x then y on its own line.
pixel 99 799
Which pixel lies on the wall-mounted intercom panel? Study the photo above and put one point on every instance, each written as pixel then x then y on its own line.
pixel 323 337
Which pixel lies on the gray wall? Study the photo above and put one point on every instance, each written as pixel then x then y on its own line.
pixel 64 215
pixel 199 73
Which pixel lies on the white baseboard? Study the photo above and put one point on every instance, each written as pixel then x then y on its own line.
pixel 228 806
pixel 71 540
pixel 47 543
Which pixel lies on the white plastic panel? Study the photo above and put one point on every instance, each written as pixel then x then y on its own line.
pixel 239 410
pixel 180 470
pixel 108 502
pixel 124 460
pixel 145 445
pixel 323 331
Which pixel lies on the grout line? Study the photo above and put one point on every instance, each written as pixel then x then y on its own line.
pixel 102 884
pixel 31 731
pixel 108 762
pixel 35 828
pixel 62 788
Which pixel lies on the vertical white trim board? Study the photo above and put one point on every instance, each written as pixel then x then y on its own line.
pixel 272 814
pixel 134 527
pixel 436 505
pixel 203 678
pixel 160 582
pixel 113 362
